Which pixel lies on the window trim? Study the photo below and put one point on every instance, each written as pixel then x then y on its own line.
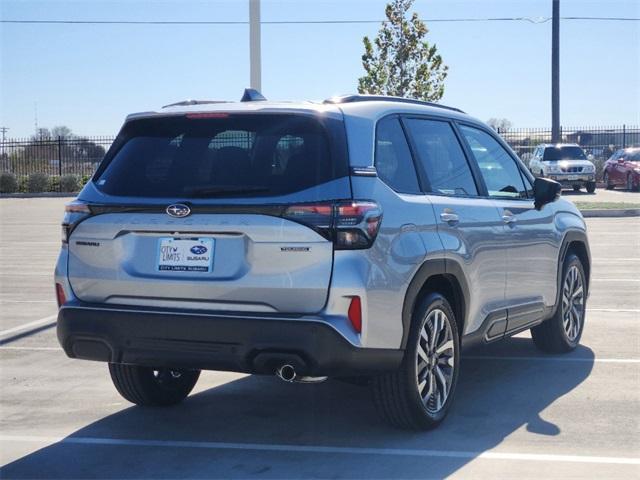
pixel 524 173
pixel 406 139
pixel 422 174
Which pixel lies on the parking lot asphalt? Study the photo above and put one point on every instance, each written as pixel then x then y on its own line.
pixel 518 413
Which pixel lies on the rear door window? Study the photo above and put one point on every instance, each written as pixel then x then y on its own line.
pixel 441 157
pixel 233 155
pixel 393 158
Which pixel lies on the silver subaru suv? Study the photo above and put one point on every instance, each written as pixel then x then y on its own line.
pixel 363 237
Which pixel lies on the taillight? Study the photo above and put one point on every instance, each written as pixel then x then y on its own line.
pixel 74 212
pixel 351 225
pixel 356 224
pixel 60 296
pixel 355 314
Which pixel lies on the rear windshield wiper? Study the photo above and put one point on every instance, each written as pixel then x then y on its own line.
pixel 221 191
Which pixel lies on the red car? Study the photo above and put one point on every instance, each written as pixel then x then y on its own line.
pixel 623 168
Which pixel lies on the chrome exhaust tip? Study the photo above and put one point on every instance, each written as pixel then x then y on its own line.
pixel 286 373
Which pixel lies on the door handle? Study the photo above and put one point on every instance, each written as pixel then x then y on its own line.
pixel 508 217
pixel 449 217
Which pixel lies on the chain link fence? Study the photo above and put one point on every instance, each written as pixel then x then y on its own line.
pixel 64 164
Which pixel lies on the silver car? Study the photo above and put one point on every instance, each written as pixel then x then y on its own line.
pixel 364 236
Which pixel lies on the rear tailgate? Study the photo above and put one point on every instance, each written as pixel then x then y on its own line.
pixel 253 263
pixel 230 251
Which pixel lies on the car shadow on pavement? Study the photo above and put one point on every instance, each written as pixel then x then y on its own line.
pixel 496 397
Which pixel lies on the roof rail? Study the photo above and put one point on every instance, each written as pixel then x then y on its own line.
pixel 186 103
pixel 386 98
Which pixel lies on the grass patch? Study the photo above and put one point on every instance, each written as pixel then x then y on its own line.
pixel 606 205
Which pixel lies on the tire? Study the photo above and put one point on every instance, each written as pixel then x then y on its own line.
pixel 556 335
pixel 591 187
pixel 398 396
pixel 576 188
pixel 630 186
pixel 147 386
pixel 608 185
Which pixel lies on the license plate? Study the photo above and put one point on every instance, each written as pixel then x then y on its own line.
pixel 573 177
pixel 185 254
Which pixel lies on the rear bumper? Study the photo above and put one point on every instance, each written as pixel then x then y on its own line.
pixel 570 179
pixel 191 339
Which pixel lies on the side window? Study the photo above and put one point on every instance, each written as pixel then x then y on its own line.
pixel 442 157
pixel 393 157
pixel 499 170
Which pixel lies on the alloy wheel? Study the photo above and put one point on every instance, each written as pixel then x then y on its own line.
pixel 435 360
pixel 572 303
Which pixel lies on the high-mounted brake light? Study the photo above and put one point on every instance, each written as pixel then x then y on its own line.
pixel 351 225
pixel 207 115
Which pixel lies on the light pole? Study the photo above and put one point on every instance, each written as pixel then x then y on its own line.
pixel 555 73
pixel 254 45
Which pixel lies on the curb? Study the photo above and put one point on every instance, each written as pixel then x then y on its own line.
pixel 629 212
pixel 39 195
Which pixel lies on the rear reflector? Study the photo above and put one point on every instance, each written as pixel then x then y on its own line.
pixel 60 296
pixel 355 314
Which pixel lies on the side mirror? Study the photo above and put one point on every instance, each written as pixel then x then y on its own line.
pixel 590 156
pixel 621 160
pixel 545 191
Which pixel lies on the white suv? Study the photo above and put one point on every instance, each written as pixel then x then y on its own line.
pixel 565 163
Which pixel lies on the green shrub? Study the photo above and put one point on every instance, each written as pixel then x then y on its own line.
pixel 8 183
pixel 84 180
pixel 69 183
pixel 22 183
pixel 37 182
pixel 54 183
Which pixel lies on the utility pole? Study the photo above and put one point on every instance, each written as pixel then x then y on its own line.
pixel 254 45
pixel 555 73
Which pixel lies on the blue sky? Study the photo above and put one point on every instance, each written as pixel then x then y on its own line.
pixel 89 77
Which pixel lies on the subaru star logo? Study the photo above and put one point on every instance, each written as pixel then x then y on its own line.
pixel 178 210
pixel 198 249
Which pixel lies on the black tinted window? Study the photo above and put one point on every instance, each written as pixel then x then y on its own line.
pixel 563 153
pixel 393 158
pixel 500 172
pixel 442 157
pixel 234 155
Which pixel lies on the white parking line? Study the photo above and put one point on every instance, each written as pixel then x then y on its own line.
pixel 26 326
pixel 36 349
pixel 552 359
pixel 27 301
pixel 626 280
pixel 323 449
pixel 615 310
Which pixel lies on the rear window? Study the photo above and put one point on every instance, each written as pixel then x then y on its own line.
pixel 231 156
pixel 563 153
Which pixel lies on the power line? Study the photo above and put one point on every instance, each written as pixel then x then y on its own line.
pixel 534 20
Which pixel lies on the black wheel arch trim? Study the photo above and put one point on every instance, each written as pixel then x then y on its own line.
pixel 570 237
pixel 429 269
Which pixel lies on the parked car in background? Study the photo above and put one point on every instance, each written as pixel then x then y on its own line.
pixel 565 163
pixel 623 169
